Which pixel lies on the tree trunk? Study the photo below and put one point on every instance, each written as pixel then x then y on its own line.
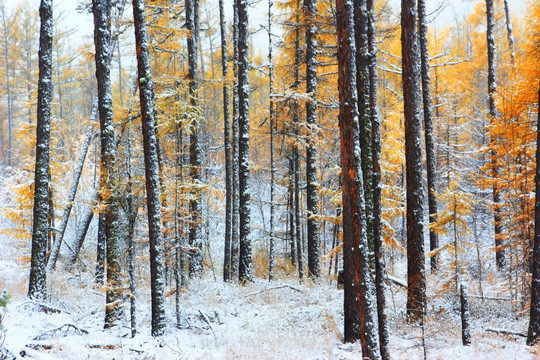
pixel 7 59
pixel 271 115
pixel 235 164
pixel 428 130
pixel 380 271
pixel 534 321
pixel 82 230
pixel 509 31
pixel 465 316
pixel 146 92
pixel 37 284
pixel 499 251
pixel 101 249
pixel 416 293
pixel 358 304
pixel 245 270
pixel 227 142
pixel 108 179
pixel 195 162
pixel 312 193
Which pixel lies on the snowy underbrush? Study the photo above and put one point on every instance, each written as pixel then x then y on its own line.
pixel 280 320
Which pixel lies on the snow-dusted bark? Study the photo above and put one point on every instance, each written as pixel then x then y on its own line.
pixel 234 145
pixel 428 132
pixel 108 192
pixel 359 302
pixel 146 93
pixel 227 143
pixel 412 99
pixel 245 269
pixel 465 316
pixel 82 230
pixel 272 118
pixel 195 161
pixel 380 272
pixel 509 30
pixel 312 192
pixel 534 321
pixel 295 150
pixel 37 284
pixel 492 89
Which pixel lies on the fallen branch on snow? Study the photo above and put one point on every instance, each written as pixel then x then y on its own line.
pixel 273 288
pixel 54 332
pixel 396 281
pixel 507 332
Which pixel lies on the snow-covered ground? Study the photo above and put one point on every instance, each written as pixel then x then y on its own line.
pixel 284 319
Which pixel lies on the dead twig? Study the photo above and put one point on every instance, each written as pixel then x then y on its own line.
pixel 274 288
pixel 507 332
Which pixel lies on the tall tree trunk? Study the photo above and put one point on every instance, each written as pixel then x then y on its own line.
pixel 234 130
pixel 108 178
pixel 146 92
pixel 271 115
pixel 227 142
pixel 416 292
pixel 296 141
pixel 358 304
pixel 245 270
pixel 428 130
pixel 37 284
pixel 492 89
pixel 380 272
pixel 534 321
pixel 312 192
pixel 195 162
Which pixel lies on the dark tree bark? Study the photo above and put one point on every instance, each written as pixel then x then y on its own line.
pixel 295 152
pixel 271 115
pixel 37 287
pixel 492 89
pixel 416 293
pixel 465 316
pixel 235 166
pixel 195 161
pixel 290 212
pixel 534 321
pixel 245 270
pixel 227 143
pixel 82 230
pixel 358 304
pixel 428 130
pixel 108 179
pixel 380 272
pixel 146 93
pixel 312 193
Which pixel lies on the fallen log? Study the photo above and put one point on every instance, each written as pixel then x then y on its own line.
pixel 507 332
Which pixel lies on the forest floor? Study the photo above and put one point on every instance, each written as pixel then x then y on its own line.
pixel 284 319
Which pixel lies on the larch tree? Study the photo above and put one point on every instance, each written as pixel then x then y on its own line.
pixel 227 146
pixel 380 272
pixel 412 100
pixel 195 161
pixel 7 39
pixel 428 126
pixel 492 89
pixel 272 118
pixel 534 320
pixel 37 284
pixel 146 94
pixel 245 269
pixel 312 192
pixel 108 180
pixel 360 320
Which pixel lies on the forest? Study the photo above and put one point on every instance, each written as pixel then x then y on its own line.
pixel 270 179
